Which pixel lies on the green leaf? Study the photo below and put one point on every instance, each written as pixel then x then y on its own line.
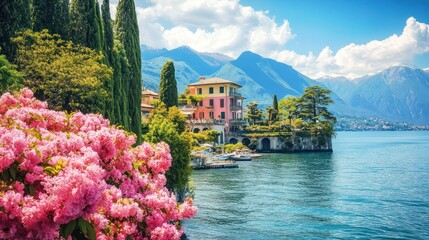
pixel 13 171
pixel 86 228
pixel 128 237
pixel 81 224
pixel 91 232
pixel 31 189
pixel 49 170
pixel 68 228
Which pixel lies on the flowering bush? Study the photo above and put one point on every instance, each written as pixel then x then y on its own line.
pixel 65 174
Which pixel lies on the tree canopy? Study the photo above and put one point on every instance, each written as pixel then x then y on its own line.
pixel 253 112
pixel 14 17
pixel 52 15
pixel 168 85
pixel 169 125
pixel 85 26
pixel 313 105
pixel 10 78
pixel 127 33
pixel 70 77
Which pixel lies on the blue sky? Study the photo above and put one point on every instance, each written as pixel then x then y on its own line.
pixel 336 23
pixel 317 37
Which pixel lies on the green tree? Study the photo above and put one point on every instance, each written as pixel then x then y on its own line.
pixel 14 16
pixel 113 110
pixel 269 110
pixel 108 46
pixel 10 78
pixel 253 113
pixel 127 33
pixel 68 77
pixel 121 85
pixel 168 85
pixel 313 105
pixel 166 126
pixel 52 15
pixel 84 24
pixel 288 107
pixel 275 114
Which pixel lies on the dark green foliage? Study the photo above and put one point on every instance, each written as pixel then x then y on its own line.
pixel 107 32
pixel 120 86
pixel 127 33
pixel 10 78
pixel 253 113
pixel 68 77
pixel 85 26
pixel 274 115
pixel 114 114
pixel 167 125
pixel 313 105
pixel 14 16
pixel 168 85
pixel 52 15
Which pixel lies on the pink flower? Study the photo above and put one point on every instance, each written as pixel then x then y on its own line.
pixel 71 166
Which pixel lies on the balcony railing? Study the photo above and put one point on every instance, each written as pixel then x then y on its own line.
pixel 206 121
pixel 235 107
pixel 235 94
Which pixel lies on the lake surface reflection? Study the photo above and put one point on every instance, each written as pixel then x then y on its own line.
pixel 374 185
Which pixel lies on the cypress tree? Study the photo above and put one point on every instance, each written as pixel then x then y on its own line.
pixel 120 85
pixel 14 16
pixel 107 32
pixel 275 109
pixel 127 33
pixel 168 85
pixel 84 25
pixel 106 26
pixel 52 15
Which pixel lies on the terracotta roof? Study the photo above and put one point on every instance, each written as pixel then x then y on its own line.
pixel 149 92
pixel 213 81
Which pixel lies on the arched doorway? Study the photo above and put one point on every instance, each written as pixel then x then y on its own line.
pixel 265 144
pixel 205 129
pixel 246 141
pixel 233 141
pixel 196 130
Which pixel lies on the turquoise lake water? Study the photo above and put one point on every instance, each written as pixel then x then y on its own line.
pixel 375 185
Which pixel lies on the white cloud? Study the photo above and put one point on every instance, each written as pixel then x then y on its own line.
pixel 356 60
pixel 227 27
pixel 223 26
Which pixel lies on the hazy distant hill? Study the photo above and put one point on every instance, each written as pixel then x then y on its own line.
pixel 397 93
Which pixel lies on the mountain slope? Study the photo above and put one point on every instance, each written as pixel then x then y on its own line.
pixel 151 70
pixel 397 93
pixel 202 63
pixel 261 78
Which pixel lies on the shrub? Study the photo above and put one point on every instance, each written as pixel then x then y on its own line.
pixel 65 174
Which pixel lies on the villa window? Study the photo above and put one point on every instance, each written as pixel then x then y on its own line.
pixel 201 103
pixel 211 115
pixel 222 115
pixel 201 115
pixel 222 103
pixel 211 102
pixel 221 89
pixel 199 91
pixel 211 91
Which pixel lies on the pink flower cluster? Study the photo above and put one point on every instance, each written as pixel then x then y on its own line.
pixel 57 167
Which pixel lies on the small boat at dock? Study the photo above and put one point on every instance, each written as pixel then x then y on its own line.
pixel 240 158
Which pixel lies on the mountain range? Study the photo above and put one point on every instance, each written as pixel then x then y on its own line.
pixel 398 93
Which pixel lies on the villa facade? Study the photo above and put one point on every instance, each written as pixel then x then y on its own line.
pixel 221 108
